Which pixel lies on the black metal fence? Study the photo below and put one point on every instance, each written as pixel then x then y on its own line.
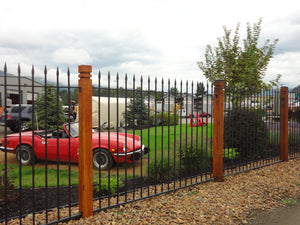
pixel 294 123
pixel 150 137
pixel 251 128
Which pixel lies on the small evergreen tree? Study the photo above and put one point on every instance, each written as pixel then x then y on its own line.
pixel 136 113
pixel 48 109
pixel 200 90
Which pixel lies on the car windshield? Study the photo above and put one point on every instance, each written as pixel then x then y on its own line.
pixel 74 131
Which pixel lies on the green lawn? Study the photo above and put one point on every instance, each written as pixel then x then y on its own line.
pixel 163 137
pixel 40 177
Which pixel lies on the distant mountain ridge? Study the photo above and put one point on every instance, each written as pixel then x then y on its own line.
pixel 36 79
pixel 8 74
pixel 296 89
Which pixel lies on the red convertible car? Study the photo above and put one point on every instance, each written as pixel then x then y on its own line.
pixel 62 145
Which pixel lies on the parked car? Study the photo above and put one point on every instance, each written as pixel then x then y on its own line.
pixel 17 123
pixel 112 147
pixel 17 117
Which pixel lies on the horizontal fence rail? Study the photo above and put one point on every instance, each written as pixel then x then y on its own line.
pixel 149 136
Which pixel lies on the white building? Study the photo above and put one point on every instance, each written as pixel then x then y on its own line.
pixel 17 93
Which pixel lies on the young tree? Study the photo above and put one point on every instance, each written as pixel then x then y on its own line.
pixel 238 66
pixel 174 92
pixel 49 110
pixel 136 113
pixel 65 95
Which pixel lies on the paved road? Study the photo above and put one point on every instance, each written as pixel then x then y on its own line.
pixel 280 216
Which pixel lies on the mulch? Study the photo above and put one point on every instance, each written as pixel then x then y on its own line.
pixel 236 200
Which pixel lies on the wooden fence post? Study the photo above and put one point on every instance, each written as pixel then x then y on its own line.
pixel 85 141
pixel 284 117
pixel 218 129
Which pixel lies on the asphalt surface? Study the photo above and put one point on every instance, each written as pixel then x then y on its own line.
pixel 280 216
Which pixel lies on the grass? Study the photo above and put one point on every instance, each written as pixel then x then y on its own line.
pixel 168 143
pixel 159 139
pixel 290 202
pixel 230 153
pixel 293 137
pixel 40 178
pixel 163 137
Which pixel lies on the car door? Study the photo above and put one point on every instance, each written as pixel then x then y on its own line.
pixel 59 147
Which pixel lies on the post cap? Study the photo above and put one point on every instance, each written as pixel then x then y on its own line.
pixel 219 83
pixel 85 70
pixel 284 89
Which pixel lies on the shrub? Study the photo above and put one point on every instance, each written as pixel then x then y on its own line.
pixel 163 119
pixel 112 187
pixel 6 182
pixel 191 158
pixel 294 114
pixel 245 130
pixel 161 170
pixel 195 157
pixel 230 154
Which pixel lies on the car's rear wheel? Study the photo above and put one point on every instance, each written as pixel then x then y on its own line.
pixel 24 126
pixel 102 158
pixel 21 126
pixel 25 155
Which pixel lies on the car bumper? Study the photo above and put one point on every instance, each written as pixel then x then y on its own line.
pixel 3 149
pixel 134 155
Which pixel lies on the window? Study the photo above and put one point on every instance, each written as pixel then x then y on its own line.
pixel 16 109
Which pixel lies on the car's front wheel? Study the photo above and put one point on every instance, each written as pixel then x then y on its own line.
pixel 25 155
pixel 102 158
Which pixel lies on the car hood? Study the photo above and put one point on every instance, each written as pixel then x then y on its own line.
pixel 113 138
pixel 23 134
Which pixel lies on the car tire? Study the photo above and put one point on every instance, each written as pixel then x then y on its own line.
pixel 25 155
pixel 23 126
pixel 103 158
pixel 13 129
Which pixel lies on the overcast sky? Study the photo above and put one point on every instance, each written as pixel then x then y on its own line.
pixel 156 38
